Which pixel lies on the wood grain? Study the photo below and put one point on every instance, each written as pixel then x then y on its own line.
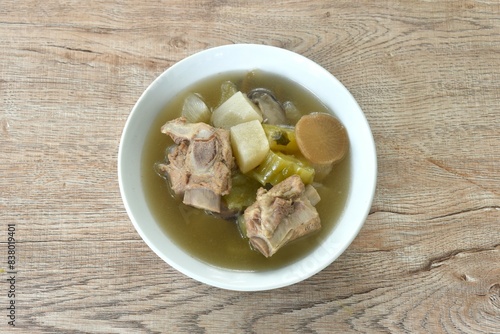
pixel 426 74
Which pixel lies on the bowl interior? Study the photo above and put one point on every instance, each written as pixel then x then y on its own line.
pixel 245 57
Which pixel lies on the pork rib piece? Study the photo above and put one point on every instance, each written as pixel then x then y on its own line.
pixel 199 167
pixel 282 214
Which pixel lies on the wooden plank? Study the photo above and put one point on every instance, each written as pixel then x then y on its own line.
pixel 426 74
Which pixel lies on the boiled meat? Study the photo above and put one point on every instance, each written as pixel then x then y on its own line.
pixel 281 214
pixel 199 166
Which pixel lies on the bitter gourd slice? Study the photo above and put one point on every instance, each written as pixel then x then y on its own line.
pixel 278 166
pixel 227 89
pixel 281 138
pixel 243 192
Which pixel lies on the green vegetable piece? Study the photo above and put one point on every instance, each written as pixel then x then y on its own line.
pixel 281 138
pixel 242 228
pixel 227 89
pixel 243 192
pixel 278 166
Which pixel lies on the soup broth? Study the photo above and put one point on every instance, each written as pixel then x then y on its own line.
pixel 216 241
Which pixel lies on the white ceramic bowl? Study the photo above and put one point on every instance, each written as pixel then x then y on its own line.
pixel 240 57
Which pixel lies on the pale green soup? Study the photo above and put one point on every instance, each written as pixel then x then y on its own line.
pixel 217 241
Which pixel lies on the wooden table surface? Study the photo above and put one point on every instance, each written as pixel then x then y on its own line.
pixel 425 73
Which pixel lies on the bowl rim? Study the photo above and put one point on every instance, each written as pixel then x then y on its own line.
pixel 325 254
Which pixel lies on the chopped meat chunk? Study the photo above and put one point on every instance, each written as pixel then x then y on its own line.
pixel 282 214
pixel 199 167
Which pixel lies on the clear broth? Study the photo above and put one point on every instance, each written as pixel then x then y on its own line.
pixel 217 241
